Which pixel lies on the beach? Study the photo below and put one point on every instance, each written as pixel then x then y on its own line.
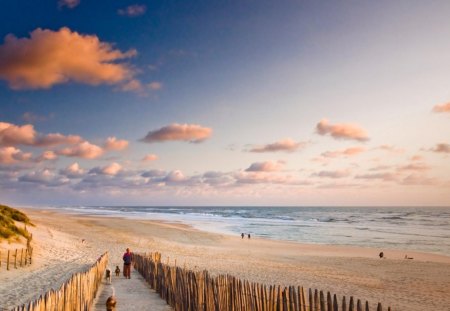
pixel 65 243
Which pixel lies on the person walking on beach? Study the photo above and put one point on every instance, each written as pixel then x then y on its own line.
pixel 249 236
pixel 127 259
pixel 242 235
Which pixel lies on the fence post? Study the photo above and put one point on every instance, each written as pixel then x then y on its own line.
pixel 7 261
pixel 379 307
pixel 21 256
pixel 15 259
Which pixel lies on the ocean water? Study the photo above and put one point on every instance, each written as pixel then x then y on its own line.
pixel 423 229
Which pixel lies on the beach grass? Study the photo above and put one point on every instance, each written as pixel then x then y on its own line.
pixel 9 219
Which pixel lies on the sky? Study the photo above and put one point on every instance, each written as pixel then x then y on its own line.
pixel 249 102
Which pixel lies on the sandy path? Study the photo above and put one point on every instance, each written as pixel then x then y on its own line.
pixel 131 294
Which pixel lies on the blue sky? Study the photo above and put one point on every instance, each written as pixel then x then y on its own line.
pixel 225 102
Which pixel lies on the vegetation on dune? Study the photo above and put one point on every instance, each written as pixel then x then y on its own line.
pixel 8 218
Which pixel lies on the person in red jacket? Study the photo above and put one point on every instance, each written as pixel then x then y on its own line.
pixel 127 259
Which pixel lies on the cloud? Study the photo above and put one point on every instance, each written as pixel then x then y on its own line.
pixel 11 135
pixel 112 143
pixel 44 177
pixel 268 166
pixel 10 155
pixel 390 148
pixel 51 57
pixel 68 3
pixel 33 118
pixel 344 153
pixel 174 177
pixel 333 174
pixel 441 148
pixel 341 131
pixel 132 86
pixel 83 150
pixel 110 169
pixel 442 108
pixel 378 176
pixel 133 10
pixel 54 139
pixel 154 173
pixel 179 132
pixel 155 86
pixel 73 171
pixel 47 156
pixel 149 157
pixel 415 166
pixel 286 145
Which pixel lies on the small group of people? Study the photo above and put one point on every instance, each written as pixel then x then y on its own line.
pixel 243 235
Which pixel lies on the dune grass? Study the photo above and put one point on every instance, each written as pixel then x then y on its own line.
pixel 8 228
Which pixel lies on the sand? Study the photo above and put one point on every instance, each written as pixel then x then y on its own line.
pixel 419 284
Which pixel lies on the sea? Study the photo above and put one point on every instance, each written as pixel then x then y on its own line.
pixel 424 229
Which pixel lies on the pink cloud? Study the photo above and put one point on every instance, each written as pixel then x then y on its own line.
pixel 442 108
pixel 112 143
pixel 111 169
pixel 333 174
pixel 133 10
pixel 11 135
pixel 341 131
pixel 73 171
pixel 83 150
pixel 390 148
pixel 68 3
pixel 149 157
pixel 268 166
pixel 378 176
pixel 51 57
pixel 10 155
pixel 415 166
pixel 155 86
pixel 54 139
pixel 179 132
pixel 287 145
pixel 47 156
pixel 131 86
pixel 441 148
pixel 344 153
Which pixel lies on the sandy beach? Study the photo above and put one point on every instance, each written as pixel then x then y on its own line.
pixel 66 243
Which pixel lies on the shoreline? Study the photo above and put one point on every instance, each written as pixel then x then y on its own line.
pixel 349 271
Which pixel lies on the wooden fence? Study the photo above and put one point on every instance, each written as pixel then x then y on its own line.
pixel 15 258
pixel 186 290
pixel 77 294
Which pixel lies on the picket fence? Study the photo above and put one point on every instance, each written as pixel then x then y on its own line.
pixel 77 294
pixel 187 290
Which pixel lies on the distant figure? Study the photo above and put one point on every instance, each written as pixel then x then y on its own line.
pixel 117 271
pixel 381 255
pixel 248 236
pixel 127 259
pixel 242 235
pixel 406 257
